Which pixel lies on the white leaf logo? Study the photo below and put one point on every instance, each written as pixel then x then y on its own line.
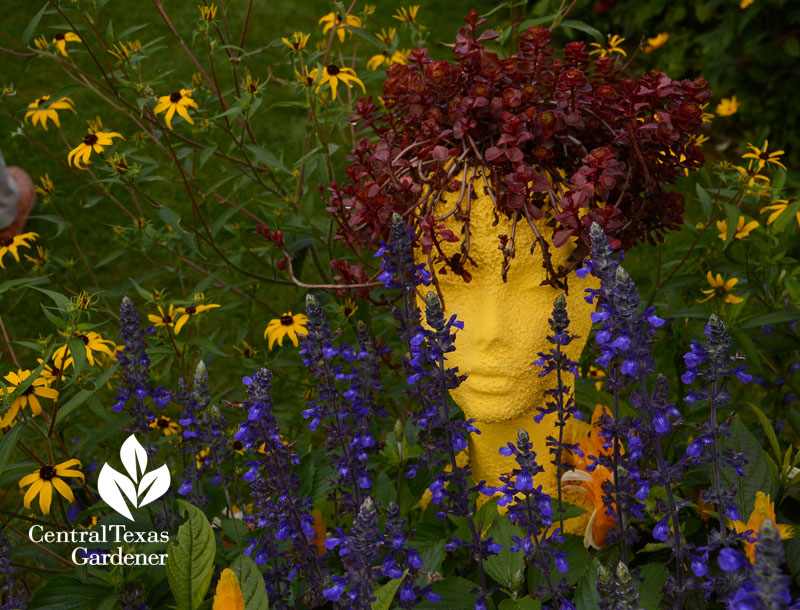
pixel 114 487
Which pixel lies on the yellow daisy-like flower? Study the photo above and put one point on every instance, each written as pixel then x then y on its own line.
pixel 166 425
pixel 698 139
pixel 39 387
pixel 721 288
pixel 53 371
pixel 176 102
pixel 164 319
pixel 93 342
pixel 369 9
pixel 743 4
pixel 332 75
pixel 229 594
pixel 334 20
pixel 184 314
pixel 727 106
pixel 40 260
pixel 251 84
pixel 598 375
pixel 237 446
pixel 298 41
pixel 762 157
pixel 208 13
pixel 47 188
pixel 246 350
pixel 41 110
pixel 123 51
pixel 62 38
pixel 12 244
pixel 398 57
pixel 742 229
pixel 612 46
pixel 45 479
pixel 386 37
pixel 777 208
pixel 41 42
pixel 287 324
pixel 658 41
pixel 706 117
pixel 200 458
pixel 407 15
pixel 762 510
pixel 95 141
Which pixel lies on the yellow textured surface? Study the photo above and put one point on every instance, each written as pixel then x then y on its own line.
pixel 505 326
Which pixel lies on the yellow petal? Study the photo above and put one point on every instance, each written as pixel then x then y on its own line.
pixel 32 492
pixel 46 497
pixel 63 489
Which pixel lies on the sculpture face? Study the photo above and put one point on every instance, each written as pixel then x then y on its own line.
pixel 505 323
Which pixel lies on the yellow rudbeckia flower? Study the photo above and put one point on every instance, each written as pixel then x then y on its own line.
pixel 762 157
pixel 95 141
pixel 163 319
pixel 62 38
pixel 611 46
pixel 41 110
pixel 742 229
pixel 656 42
pixel 727 106
pixel 287 324
pixel 39 388
pixel 166 425
pixel 12 244
pixel 334 20
pixel 93 342
pixel 407 15
pixel 332 75
pixel 721 288
pixel 45 479
pixel 184 314
pixel 777 208
pixel 176 102
pixel 298 41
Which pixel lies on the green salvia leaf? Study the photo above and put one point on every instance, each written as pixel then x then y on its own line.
pixel 190 558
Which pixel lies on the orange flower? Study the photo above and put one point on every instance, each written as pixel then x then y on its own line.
pixel 590 484
pixel 762 510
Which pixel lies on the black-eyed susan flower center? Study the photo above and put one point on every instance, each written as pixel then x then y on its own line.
pixel 41 101
pixel 238 445
pixel 90 140
pixel 6 242
pixel 83 338
pixel 191 310
pixel 28 391
pixel 333 69
pixel 175 97
pixel 163 423
pixel 59 36
pixel 719 291
pixel 287 320
pixel 47 473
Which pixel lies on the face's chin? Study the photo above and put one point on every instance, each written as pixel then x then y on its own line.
pixel 493 398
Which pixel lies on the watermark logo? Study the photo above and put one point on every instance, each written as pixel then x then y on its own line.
pixel 140 487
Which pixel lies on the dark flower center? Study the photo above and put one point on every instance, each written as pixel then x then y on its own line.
pixel 59 36
pixel 90 140
pixel 41 101
pixel 333 69
pixel 191 310
pixel 720 291
pixel 28 391
pixel 47 473
pixel 7 242
pixel 287 320
pixel 238 445
pixel 175 97
pixel 163 423
pixel 83 338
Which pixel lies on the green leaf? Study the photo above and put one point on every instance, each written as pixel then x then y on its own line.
pixel 68 593
pixel 504 565
pixel 83 395
pixel 206 344
pixel 705 200
pixel 265 156
pixel 173 219
pixel 768 430
pixel 586 597
pixel 8 444
pixel 786 216
pixel 190 562
pixel 757 474
pixel 61 301
pixel 776 317
pixel 584 27
pixel 386 593
pixel 524 603
pixel 77 349
pixel 251 581
pixel 455 595
pixel 654 576
pixel 26 282
pixel 30 29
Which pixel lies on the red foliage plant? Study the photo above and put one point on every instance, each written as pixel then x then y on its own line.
pixel 565 138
